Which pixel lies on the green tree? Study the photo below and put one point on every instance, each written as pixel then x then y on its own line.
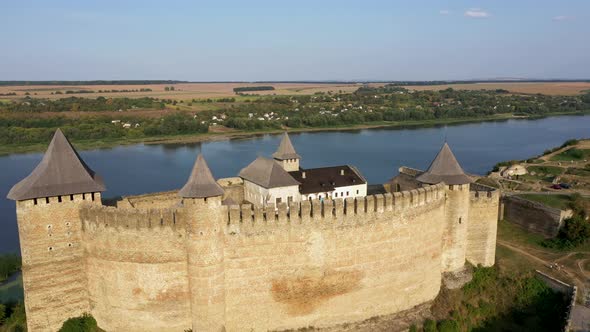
pixel 84 323
pixel 575 231
pixel 448 325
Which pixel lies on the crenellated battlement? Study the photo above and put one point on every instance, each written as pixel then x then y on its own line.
pixel 97 217
pixel 327 211
pixel 483 192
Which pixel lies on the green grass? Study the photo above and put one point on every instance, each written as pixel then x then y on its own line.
pixel 546 170
pixel 572 154
pixel 555 201
pixel 488 182
pixel 12 291
pixel 578 172
pixel 513 233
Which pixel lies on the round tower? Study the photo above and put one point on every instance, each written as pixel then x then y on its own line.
pixel 446 169
pixel 50 232
pixel 286 155
pixel 201 207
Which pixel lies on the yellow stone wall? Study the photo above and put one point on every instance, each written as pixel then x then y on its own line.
pixel 455 233
pixel 205 266
pixel 53 265
pixel 482 228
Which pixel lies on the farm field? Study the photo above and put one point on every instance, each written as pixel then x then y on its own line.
pixel 188 91
pixel 546 88
pixel 182 91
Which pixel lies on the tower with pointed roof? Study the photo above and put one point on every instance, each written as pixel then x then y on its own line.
pixel 201 208
pixel 50 231
pixel 201 183
pixel 286 155
pixel 446 169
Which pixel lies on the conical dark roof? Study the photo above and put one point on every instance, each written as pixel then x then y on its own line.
pixel 445 168
pixel 267 173
pixel 286 149
pixel 201 183
pixel 61 172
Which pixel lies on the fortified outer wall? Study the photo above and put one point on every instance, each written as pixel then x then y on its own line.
pixel 534 216
pixel 481 227
pixel 325 264
pixel 289 267
pixel 205 266
pixel 137 269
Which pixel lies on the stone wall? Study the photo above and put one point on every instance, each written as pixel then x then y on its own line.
pixel 482 226
pixel 533 216
pixel 206 266
pixel 53 265
pixel 137 269
pixel 561 287
pixel 163 200
pixel 455 232
pixel 332 263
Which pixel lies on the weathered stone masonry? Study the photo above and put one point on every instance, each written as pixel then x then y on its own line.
pixel 206 266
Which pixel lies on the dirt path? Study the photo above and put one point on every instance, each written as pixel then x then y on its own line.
pixel 580 278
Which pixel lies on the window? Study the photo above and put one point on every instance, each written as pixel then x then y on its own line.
pixel 289 199
pixel 357 192
pixel 348 193
pixel 336 195
pixel 278 200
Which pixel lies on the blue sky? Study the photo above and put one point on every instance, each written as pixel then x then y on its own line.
pixel 294 40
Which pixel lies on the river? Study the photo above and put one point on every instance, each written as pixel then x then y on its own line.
pixel 378 153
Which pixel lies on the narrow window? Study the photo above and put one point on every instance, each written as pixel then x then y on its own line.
pixel 35 201
pixel 92 196
pixel 71 197
pixel 348 193
pixel 459 219
pixel 357 192
pixel 336 195
pixel 59 199
pixel 47 200
pixel 84 196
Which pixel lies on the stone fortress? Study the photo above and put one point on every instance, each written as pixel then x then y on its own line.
pixel 238 255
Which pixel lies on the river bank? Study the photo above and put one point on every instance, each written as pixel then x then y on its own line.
pixel 238 134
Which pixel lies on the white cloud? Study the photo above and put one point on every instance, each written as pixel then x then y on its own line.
pixel 562 18
pixel 445 12
pixel 476 13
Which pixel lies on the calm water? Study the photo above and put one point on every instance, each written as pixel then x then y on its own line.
pixel 378 153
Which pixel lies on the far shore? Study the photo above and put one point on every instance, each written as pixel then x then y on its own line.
pixel 236 134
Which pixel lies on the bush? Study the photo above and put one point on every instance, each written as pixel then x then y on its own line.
pixel 448 325
pixel 413 328
pixel 2 313
pixel 17 321
pixel 84 323
pixel 430 326
pixel 576 230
